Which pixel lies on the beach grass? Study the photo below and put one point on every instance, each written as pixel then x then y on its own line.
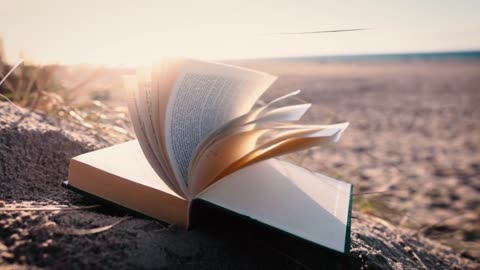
pixel 37 88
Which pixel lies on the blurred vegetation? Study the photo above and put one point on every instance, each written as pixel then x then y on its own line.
pixel 39 88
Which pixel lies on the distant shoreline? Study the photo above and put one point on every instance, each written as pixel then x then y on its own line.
pixel 419 56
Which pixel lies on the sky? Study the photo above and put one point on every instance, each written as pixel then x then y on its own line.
pixel 135 32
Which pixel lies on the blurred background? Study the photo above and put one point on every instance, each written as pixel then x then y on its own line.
pixel 128 33
pixel 409 83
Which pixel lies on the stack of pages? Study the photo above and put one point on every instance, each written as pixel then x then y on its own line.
pixel 201 136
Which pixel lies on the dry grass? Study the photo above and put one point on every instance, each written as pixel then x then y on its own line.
pixel 38 88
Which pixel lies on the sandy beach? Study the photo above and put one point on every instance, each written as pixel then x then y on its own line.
pixel 414 137
pixel 411 151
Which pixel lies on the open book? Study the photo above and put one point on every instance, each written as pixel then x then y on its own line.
pixel 201 136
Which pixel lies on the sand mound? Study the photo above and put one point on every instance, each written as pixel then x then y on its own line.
pixel 34 155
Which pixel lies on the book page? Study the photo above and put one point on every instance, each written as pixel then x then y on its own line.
pixel 249 120
pixel 290 198
pixel 242 120
pixel 163 76
pixel 244 149
pixel 142 127
pixel 148 109
pixel 285 145
pixel 270 119
pixel 204 97
pixel 122 174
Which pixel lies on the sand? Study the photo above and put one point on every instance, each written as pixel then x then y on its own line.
pixel 414 133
